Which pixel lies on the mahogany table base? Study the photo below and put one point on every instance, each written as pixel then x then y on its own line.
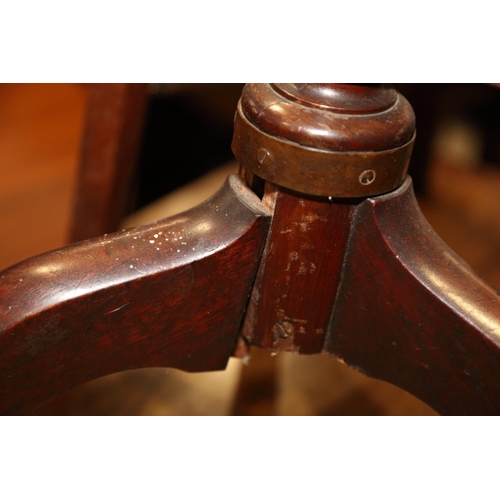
pixel 365 279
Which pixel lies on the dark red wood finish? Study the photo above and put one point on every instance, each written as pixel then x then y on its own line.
pixel 113 127
pixel 351 117
pixel 413 313
pixel 297 281
pixel 171 293
pixel 395 301
pixel 367 280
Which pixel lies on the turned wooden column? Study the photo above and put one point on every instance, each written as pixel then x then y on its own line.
pixel 335 256
pixel 320 148
pixel 351 266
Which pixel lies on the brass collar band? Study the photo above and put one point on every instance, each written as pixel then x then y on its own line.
pixel 315 171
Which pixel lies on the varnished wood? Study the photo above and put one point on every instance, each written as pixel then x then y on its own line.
pixel 297 281
pixel 411 312
pixel 351 117
pixel 113 128
pixel 393 300
pixel 401 306
pixel 344 141
pixel 316 171
pixel 346 99
pixel 168 294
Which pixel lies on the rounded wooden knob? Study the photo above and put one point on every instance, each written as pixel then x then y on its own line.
pixel 335 117
pixel 340 98
pixel 342 140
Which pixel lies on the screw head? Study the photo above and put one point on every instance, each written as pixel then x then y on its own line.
pixel 367 177
pixel 263 157
pixel 283 329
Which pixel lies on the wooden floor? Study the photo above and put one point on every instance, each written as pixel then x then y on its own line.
pixel 40 129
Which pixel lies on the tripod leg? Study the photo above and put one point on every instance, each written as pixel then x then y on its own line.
pixel 171 294
pixel 411 312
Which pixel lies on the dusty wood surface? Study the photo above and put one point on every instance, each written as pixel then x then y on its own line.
pixel 169 294
pixel 40 134
pixel 297 282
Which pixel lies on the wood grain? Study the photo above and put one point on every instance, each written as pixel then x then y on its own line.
pixel 349 118
pixel 297 281
pixel 413 313
pixel 113 128
pixel 167 294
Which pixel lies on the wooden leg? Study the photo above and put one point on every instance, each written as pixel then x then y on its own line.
pixel 356 273
pixel 257 390
pixel 350 267
pixel 413 313
pixel 115 114
pixel 171 294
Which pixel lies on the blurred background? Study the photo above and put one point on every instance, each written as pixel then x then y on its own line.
pixel 184 156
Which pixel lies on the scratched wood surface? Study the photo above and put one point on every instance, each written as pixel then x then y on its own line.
pixel 40 132
pixel 301 262
pixel 169 294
